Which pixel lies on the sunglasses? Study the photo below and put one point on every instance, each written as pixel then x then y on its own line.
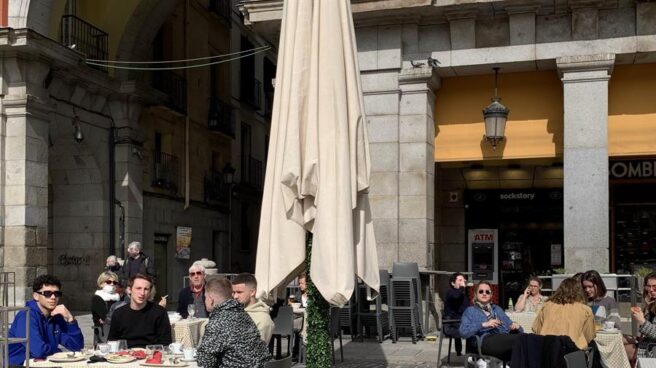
pixel 48 294
pixel 197 273
pixel 488 292
pixel 111 282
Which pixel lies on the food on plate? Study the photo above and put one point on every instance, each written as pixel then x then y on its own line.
pixel 156 359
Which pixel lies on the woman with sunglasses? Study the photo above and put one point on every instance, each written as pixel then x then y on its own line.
pixel 102 300
pixel 489 322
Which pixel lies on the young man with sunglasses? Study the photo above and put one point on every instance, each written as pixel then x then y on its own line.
pixel 51 323
pixel 194 294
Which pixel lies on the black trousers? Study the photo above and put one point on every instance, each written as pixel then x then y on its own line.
pixel 499 346
pixel 451 330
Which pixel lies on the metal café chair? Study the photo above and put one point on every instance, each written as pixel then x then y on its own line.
pixel 283 327
pixel 378 318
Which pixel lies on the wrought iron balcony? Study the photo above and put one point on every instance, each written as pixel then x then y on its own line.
pixel 165 171
pixel 215 188
pixel 85 37
pixel 174 86
pixel 220 117
pixel 222 8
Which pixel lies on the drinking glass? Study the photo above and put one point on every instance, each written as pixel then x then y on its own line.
pixel 191 309
pixel 151 349
pixel 122 345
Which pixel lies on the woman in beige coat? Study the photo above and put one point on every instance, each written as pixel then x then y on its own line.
pixel 566 314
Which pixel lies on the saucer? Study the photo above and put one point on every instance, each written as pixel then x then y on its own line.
pixel 187 360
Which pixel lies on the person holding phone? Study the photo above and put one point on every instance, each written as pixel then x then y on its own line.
pixel 531 300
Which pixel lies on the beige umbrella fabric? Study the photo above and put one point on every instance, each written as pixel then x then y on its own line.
pixel 318 171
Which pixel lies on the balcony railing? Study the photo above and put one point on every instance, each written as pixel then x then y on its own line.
pixel 253 175
pixel 85 38
pixel 174 86
pixel 220 117
pixel 222 8
pixel 215 187
pixel 165 171
pixel 252 93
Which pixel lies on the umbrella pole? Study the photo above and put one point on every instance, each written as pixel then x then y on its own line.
pixel 318 348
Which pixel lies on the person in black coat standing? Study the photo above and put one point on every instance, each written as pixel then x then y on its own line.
pixel 138 262
pixel 455 303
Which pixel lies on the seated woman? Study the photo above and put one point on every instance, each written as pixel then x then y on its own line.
pixel 645 316
pixel 489 322
pixel 531 300
pixel 455 302
pixel 604 307
pixel 101 301
pixel 565 314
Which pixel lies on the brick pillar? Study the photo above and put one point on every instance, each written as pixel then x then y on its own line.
pixel 129 160
pixel 25 119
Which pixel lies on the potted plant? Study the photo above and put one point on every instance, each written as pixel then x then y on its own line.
pixel 640 273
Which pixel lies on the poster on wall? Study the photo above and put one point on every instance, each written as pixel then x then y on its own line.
pixel 183 242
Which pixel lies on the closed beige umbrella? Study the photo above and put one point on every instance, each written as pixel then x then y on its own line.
pixel 318 170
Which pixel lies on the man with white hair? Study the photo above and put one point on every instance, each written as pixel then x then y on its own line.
pixel 194 294
pixel 112 264
pixel 138 262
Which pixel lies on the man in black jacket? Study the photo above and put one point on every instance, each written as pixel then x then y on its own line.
pixel 138 262
pixel 194 294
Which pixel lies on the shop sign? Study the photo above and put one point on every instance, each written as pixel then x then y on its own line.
pixel 634 169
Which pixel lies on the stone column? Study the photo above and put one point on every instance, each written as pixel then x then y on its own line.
pixel 25 118
pixel 585 151
pixel 417 165
pixel 129 161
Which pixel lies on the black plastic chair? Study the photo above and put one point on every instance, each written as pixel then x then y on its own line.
pixel 283 327
pixel 378 318
pixel 442 336
pixel 411 270
pixel 348 316
pixel 576 359
pixel 404 312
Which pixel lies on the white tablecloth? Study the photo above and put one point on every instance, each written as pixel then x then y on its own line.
pixel 523 319
pixel 83 364
pixel 646 362
pixel 188 331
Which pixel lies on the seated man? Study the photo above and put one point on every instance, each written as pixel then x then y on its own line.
pixel 244 287
pixel 141 322
pixel 231 338
pixel 51 324
pixel 194 294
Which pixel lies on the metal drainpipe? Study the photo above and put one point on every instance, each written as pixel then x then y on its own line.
pixel 112 195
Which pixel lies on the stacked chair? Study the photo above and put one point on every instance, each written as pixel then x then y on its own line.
pixel 405 300
pixel 283 327
pixel 377 317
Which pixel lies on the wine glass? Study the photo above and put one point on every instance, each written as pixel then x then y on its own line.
pixel 191 309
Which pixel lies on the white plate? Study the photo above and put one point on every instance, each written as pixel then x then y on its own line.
pixel 120 359
pixel 63 357
pixel 611 331
pixel 188 360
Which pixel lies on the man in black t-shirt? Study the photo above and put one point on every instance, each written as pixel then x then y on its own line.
pixel 141 322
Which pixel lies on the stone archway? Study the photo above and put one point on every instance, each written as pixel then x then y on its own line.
pixel 78 230
pixel 34 14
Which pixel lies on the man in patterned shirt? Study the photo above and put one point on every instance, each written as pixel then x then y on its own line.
pixel 231 338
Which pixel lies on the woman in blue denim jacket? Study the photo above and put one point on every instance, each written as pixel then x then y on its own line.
pixel 490 323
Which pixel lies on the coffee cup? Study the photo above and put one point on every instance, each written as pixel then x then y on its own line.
pixel 113 346
pixel 188 353
pixel 609 325
pixel 176 347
